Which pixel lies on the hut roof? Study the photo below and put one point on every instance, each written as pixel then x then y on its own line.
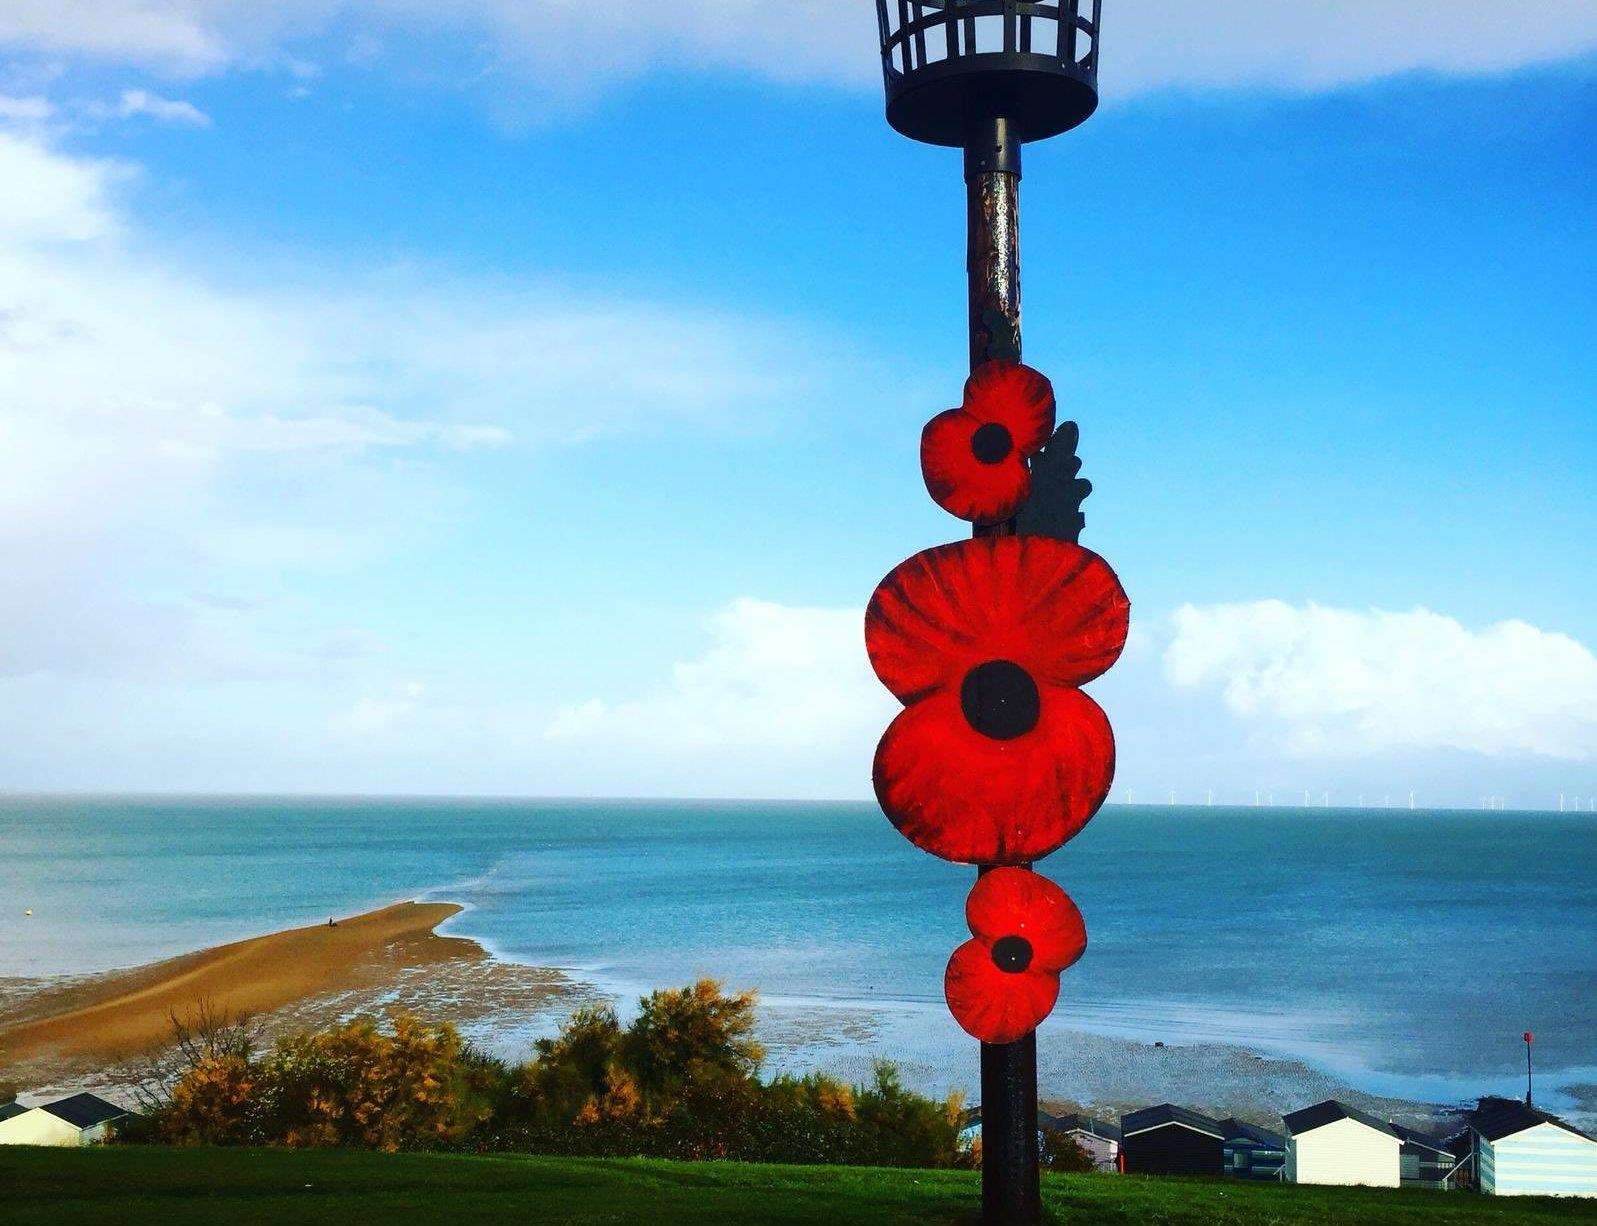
pixel 1421 1140
pixel 1328 1112
pixel 1500 1119
pixel 1084 1123
pixel 1241 1130
pixel 7 1110
pixel 84 1110
pixel 1169 1113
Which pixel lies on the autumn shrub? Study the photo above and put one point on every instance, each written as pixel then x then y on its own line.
pixel 680 1081
pixel 357 1085
pixel 415 1085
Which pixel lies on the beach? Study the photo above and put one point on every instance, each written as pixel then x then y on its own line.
pixel 100 1027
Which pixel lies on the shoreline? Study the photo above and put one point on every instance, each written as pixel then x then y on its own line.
pixel 98 1029
pixel 104 1024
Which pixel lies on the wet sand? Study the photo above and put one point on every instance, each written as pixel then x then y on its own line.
pixel 302 976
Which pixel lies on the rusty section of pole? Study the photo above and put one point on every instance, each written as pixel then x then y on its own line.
pixel 992 247
pixel 992 250
pixel 1010 1183
pixel 993 262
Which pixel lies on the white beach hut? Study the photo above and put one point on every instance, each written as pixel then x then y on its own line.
pixel 81 1119
pixel 1100 1140
pixel 1521 1151
pixel 1332 1142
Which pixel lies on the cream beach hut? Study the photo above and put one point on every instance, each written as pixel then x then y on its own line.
pixel 1332 1142
pixel 81 1119
pixel 1099 1139
pixel 1522 1151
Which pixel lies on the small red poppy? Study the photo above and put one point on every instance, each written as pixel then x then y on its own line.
pixel 974 457
pixel 1053 608
pixel 1004 982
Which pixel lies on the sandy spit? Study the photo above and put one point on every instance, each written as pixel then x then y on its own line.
pixel 299 977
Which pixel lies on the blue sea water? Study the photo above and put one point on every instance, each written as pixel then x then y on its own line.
pixel 1403 950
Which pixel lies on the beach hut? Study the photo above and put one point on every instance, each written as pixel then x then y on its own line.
pixel 1426 1161
pixel 1522 1151
pixel 1099 1138
pixel 81 1119
pixel 1171 1140
pixel 1332 1142
pixel 1252 1152
pixel 969 1129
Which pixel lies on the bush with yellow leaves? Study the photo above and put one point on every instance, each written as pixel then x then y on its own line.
pixel 681 1080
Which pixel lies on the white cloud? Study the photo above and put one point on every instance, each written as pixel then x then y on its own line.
pixel 775 677
pixel 166 110
pixel 31 109
pixel 46 198
pixel 1340 681
pixel 157 425
pixel 1158 43
pixel 380 715
pixel 574 46
pixel 181 34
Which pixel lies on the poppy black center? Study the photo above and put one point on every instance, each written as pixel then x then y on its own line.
pixel 1000 700
pixel 1012 954
pixel 991 443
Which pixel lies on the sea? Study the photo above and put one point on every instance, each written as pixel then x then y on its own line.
pixel 1404 951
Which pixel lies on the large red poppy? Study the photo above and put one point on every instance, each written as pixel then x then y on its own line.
pixel 1001 984
pixel 969 797
pixel 1053 608
pixel 998 758
pixel 974 457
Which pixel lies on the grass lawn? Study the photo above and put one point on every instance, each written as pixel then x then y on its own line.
pixel 239 1187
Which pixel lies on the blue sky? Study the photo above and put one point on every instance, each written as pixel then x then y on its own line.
pixel 397 408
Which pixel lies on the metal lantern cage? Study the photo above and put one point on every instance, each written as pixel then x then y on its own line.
pixel 954 66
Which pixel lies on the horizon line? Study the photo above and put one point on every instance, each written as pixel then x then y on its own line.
pixel 533 797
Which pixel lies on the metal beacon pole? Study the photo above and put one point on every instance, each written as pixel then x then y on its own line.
pixel 998 758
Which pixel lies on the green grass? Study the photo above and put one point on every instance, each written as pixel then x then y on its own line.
pixel 240 1187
